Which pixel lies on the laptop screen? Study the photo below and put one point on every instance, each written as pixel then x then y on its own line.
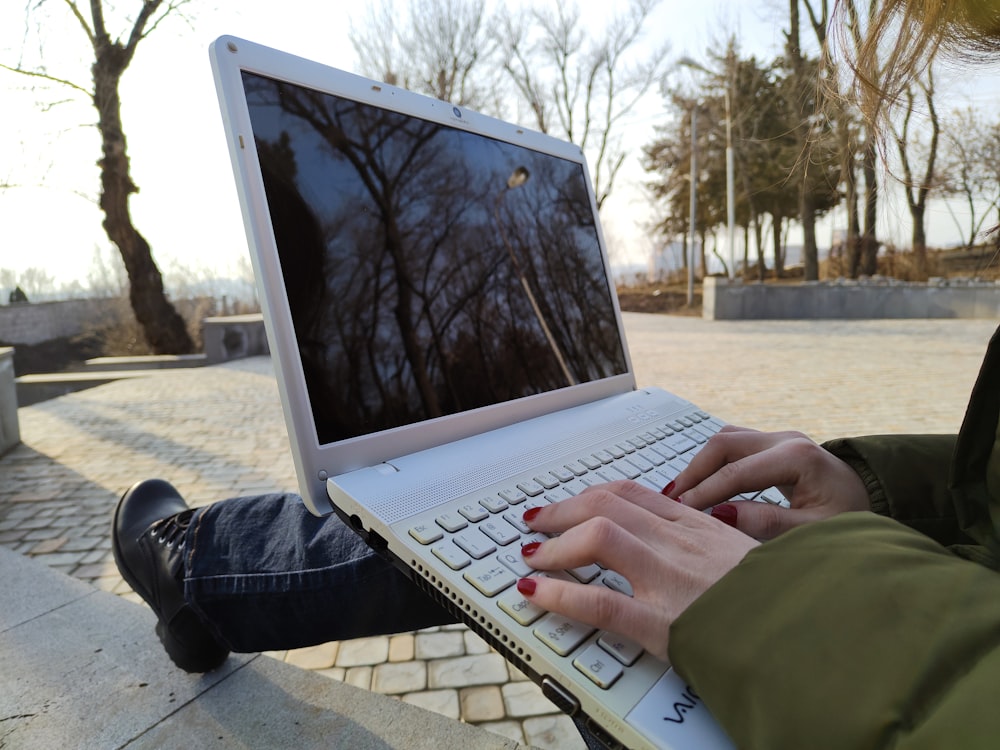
pixel 429 270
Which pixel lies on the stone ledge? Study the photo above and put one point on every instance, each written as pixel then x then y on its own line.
pixel 725 300
pixel 82 668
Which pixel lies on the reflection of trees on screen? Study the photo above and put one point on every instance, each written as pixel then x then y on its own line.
pixel 404 299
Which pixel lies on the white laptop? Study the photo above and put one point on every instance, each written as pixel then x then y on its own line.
pixel 450 352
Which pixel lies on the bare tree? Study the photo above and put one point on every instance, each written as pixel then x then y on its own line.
pixel 574 86
pixel 582 88
pixel 917 190
pixel 970 168
pixel 163 327
pixel 442 48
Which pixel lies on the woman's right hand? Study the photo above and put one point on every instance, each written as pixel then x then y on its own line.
pixel 816 483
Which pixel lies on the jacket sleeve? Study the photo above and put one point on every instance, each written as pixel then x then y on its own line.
pixel 851 632
pixel 907 479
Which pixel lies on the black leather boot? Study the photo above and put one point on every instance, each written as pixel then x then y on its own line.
pixel 147 538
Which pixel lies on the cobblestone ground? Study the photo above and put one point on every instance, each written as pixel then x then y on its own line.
pixel 218 432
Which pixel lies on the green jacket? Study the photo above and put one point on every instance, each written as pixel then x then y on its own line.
pixel 869 630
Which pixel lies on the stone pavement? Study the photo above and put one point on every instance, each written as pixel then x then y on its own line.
pixel 218 432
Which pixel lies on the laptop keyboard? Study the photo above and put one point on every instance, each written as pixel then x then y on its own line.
pixel 481 538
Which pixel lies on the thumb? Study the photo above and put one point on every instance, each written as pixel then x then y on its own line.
pixel 762 520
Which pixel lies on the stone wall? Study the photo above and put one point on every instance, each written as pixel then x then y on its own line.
pixel 33 323
pixel 723 300
pixel 10 431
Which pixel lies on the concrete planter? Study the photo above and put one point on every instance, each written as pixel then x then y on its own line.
pixel 723 300
pixel 10 431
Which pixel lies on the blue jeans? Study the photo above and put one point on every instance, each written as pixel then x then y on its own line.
pixel 265 575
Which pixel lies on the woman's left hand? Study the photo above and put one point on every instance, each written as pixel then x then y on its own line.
pixel 670 554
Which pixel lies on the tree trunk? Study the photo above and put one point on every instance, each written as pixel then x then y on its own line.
pixel 807 215
pixel 164 329
pixel 779 256
pixel 869 242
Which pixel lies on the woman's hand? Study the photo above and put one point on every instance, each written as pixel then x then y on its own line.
pixel 816 483
pixel 669 553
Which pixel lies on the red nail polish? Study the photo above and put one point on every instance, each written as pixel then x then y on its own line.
pixel 531 548
pixel 526 586
pixel 679 498
pixel 530 514
pixel 669 489
pixel 726 513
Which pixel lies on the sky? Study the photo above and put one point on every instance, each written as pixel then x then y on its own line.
pixel 187 207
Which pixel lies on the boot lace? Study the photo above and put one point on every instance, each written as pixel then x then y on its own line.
pixel 169 531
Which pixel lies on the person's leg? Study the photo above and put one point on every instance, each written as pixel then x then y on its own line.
pixel 254 574
pixel 265 574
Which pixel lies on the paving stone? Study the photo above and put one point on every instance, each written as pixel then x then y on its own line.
pixel 444 702
pixel 474 644
pixel 481 704
pixel 359 677
pixel 363 651
pixel 525 699
pixel 440 645
pixel 322 656
pixel 401 647
pixel 401 677
pixel 556 731
pixel 48 545
pixel 487 669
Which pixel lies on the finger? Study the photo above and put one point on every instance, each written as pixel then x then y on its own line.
pixel 627 503
pixel 597 540
pixel 599 607
pixel 737 463
pixel 764 521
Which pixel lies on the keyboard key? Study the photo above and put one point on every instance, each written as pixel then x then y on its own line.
pixel 490 579
pixel 639 463
pixel 473 512
pixel 501 533
pixel 514 496
pixel 585 573
pixel 624 650
pixel 514 603
pixel 494 504
pixel 663 450
pixel 579 468
pixel 548 481
pixel 516 519
pixel 599 666
pixel 451 522
pixel 617 582
pixel 451 556
pixel 685 421
pixel 679 443
pixel 513 560
pixel 425 533
pixel 561 634
pixel 652 456
pixel 563 474
pixel 475 543
pixel 530 487
pixel 595 462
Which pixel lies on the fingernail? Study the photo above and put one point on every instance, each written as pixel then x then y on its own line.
pixel 526 586
pixel 530 514
pixel 529 549
pixel 726 513
pixel 679 498
pixel 669 489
